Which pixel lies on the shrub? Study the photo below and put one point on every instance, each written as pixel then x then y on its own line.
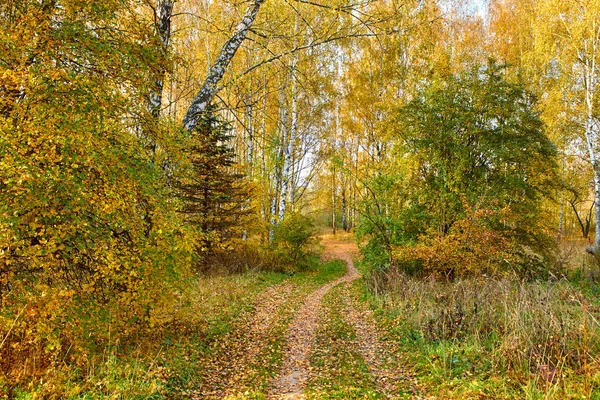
pixel 469 168
pixel 294 240
pixel 472 247
pixel 243 256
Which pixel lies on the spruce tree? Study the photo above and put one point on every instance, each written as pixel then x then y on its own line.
pixel 215 193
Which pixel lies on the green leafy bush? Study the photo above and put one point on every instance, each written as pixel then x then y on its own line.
pixel 294 240
pixel 469 169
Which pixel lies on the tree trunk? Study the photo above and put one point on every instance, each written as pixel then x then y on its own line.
pixel 274 209
pixel 285 147
pixel 289 146
pixel 334 228
pixel 591 137
pixel 561 214
pixel 217 70
pixel 250 133
pixel 583 224
pixel 586 229
pixel 162 24
pixel 344 211
pixel 596 245
pixel 164 13
pixel 278 182
pixel 263 164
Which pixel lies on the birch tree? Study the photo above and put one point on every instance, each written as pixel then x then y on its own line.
pixel 162 21
pixel 287 179
pixel 555 46
pixel 567 35
pixel 210 85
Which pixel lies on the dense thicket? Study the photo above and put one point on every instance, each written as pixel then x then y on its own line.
pixel 91 244
pixel 471 165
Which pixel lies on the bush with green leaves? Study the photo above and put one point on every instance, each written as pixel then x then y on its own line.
pixel 294 240
pixel 469 145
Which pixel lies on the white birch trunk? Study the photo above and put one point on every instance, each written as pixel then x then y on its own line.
pixel 289 146
pixel 217 71
pixel 294 128
pixel 250 135
pixel 162 24
pixel 263 164
pixel 277 179
pixel 591 137
pixel 164 12
pixel 249 147
pixel 285 171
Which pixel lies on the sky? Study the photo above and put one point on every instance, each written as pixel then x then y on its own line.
pixel 480 7
pixel 474 7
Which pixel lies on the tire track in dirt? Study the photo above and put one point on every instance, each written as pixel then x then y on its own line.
pixel 226 372
pixel 301 335
pixel 389 377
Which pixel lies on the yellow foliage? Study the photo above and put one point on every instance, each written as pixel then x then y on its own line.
pixel 471 247
pixel 92 248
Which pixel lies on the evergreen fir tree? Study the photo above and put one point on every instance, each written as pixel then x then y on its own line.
pixel 215 194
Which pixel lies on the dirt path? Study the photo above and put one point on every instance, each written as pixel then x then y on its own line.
pixel 387 375
pixel 230 370
pixel 286 325
pixel 294 373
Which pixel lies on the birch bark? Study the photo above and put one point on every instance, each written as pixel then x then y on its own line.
pixel 217 71
pixel 284 169
pixel 164 13
pixel 289 146
pixel 590 78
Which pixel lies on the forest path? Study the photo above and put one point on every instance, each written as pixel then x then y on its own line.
pixel 296 370
pixel 292 379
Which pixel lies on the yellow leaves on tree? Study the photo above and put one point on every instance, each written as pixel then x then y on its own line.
pixel 90 240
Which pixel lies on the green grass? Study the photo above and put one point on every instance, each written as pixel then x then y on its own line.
pixel 324 273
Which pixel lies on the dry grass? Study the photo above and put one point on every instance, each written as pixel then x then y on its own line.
pixel 531 336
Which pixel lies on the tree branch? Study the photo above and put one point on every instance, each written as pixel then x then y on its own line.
pixel 209 87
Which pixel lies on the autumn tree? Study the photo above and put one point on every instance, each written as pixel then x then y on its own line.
pixel 469 145
pixel 89 234
pixel 555 46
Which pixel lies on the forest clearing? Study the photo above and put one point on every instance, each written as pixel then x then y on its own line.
pixel 300 199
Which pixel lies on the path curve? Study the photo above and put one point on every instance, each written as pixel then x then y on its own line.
pixel 300 338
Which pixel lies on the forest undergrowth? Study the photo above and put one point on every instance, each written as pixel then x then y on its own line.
pixel 490 337
pixel 386 335
pixel 208 351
